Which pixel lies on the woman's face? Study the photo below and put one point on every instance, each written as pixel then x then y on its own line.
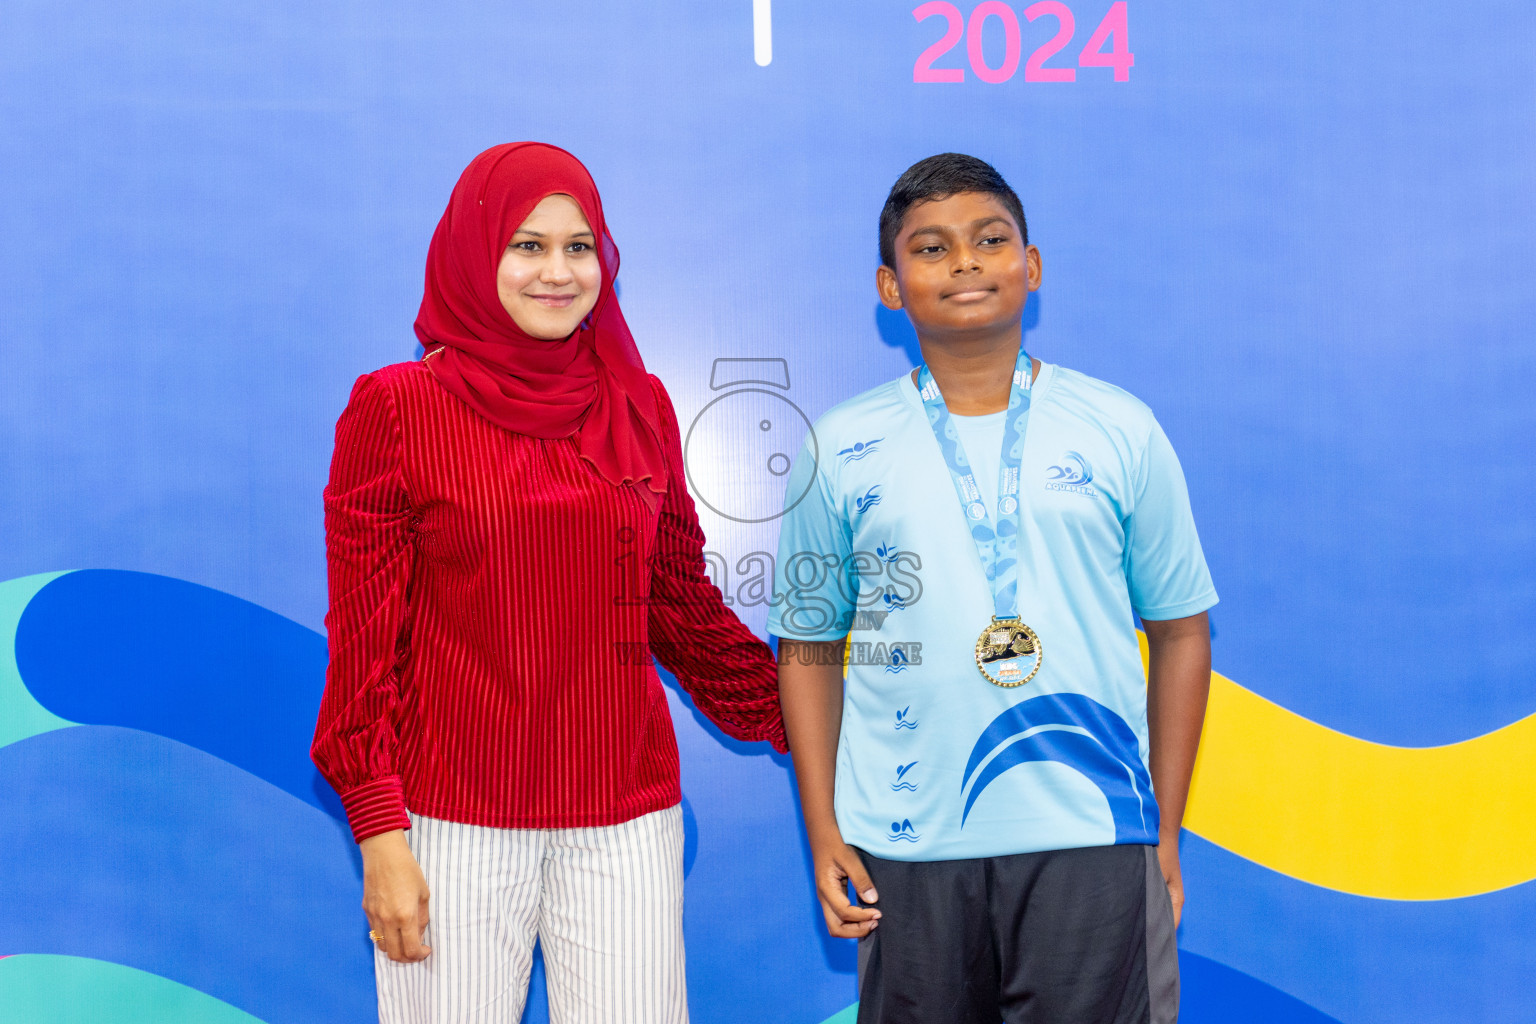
pixel 549 275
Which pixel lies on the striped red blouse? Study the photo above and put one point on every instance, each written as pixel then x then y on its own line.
pixel 494 605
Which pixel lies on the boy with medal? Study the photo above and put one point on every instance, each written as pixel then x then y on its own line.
pixel 993 774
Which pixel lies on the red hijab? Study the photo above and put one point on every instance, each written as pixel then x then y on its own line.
pixel 591 386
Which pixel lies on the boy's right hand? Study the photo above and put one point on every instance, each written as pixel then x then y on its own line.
pixel 837 864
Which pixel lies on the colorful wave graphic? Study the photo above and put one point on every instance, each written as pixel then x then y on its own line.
pixel 153 753
pixel 136 846
pixel 1397 823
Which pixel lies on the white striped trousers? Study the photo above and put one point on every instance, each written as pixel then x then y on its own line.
pixel 606 903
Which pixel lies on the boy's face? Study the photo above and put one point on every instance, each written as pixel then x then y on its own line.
pixel 962 269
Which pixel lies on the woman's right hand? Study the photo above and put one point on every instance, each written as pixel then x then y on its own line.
pixel 395 896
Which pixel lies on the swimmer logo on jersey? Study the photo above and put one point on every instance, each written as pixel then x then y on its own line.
pixel 1008 652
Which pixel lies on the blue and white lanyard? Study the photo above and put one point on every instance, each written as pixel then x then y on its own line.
pixel 997 547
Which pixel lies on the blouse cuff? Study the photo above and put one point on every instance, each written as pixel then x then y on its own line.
pixel 754 729
pixel 375 807
pixel 776 737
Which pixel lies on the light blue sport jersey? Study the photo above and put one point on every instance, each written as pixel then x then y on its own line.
pixel 934 762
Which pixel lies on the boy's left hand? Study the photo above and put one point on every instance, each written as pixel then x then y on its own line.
pixel 1168 859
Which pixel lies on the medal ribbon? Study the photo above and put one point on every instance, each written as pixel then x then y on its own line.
pixel 997 546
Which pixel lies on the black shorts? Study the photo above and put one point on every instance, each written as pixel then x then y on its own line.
pixel 1062 937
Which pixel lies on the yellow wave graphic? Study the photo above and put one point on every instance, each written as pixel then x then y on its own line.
pixel 1397 823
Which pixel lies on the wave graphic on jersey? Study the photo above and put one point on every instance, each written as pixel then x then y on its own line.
pixel 1081 733
pixel 903 832
pixel 901 784
pixel 869 500
pixel 859 450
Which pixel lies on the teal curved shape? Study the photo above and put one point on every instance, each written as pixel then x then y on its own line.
pixel 20 713
pixel 38 988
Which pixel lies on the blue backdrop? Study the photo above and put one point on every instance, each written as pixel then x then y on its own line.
pixel 1302 233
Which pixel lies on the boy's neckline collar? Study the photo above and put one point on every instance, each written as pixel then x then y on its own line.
pixel 1043 378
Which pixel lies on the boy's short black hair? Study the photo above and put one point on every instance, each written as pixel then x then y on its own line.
pixel 939 177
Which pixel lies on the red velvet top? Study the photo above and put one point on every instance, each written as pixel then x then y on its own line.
pixel 494 605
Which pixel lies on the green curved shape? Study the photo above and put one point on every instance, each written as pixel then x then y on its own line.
pixel 20 715
pixel 44 989
pixel 847 1015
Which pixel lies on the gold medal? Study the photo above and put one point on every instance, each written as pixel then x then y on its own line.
pixel 1008 652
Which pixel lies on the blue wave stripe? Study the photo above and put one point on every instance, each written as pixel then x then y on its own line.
pixel 1108 756
pixel 1057 709
pixel 132 848
pixel 106 647
pixel 1213 993
pixel 1134 815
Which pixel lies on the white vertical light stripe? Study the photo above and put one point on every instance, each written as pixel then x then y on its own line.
pixel 607 903
pixel 762 32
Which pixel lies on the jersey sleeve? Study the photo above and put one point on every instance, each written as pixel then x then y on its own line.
pixel 1165 567
pixel 813 590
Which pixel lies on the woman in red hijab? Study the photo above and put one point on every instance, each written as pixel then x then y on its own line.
pixel 509 538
